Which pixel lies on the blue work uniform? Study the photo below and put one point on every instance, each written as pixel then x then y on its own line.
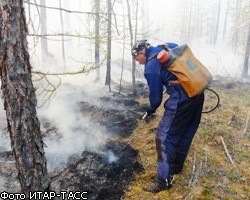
pixel 181 117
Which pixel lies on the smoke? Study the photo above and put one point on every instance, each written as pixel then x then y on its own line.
pixel 75 132
pixel 110 156
pixel 70 132
pixel 220 61
pixel 5 138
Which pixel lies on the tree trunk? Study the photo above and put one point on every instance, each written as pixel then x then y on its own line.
pixel 62 26
pixel 97 38
pixel 108 74
pixel 246 60
pixel 184 22
pixel 189 31
pixel 198 24
pixel 133 65
pixel 67 24
pixel 123 47
pixel 213 23
pixel 20 99
pixel 236 26
pixel 225 22
pixel 216 31
pixel 131 41
pixel 44 44
pixel 145 19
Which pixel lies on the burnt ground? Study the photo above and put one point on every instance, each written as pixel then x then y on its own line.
pixel 92 172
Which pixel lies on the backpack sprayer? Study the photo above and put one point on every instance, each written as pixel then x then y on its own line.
pixel 204 112
pixel 193 76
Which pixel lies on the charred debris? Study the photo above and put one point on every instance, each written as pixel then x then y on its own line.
pixel 103 175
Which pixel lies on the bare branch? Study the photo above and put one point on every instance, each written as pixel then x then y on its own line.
pixel 65 10
pixel 228 155
pixel 65 73
pixel 193 172
pixel 50 89
pixel 246 125
pixel 115 18
pixel 61 34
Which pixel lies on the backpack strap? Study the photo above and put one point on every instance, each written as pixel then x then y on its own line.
pixel 153 56
pixel 174 81
pixel 165 46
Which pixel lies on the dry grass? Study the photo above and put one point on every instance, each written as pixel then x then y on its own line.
pixel 214 176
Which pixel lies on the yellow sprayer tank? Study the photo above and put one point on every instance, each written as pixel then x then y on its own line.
pixel 190 72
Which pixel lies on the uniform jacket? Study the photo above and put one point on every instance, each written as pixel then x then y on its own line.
pixel 157 77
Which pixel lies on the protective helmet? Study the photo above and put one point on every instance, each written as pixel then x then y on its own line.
pixel 138 46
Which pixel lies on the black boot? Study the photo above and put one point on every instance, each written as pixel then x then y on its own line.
pixel 177 171
pixel 159 185
pixel 176 168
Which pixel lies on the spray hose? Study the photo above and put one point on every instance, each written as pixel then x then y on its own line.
pixel 203 112
pixel 217 104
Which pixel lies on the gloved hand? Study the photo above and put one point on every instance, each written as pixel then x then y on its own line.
pixel 148 113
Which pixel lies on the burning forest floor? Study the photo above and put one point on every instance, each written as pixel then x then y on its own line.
pixel 104 173
pixel 126 159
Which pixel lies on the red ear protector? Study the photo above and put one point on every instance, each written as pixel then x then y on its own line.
pixel 163 56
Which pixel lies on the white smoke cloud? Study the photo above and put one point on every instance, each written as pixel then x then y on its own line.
pixel 220 60
pixel 73 132
pixel 77 132
pixel 5 138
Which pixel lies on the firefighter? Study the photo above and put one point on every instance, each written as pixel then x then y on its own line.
pixel 181 118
